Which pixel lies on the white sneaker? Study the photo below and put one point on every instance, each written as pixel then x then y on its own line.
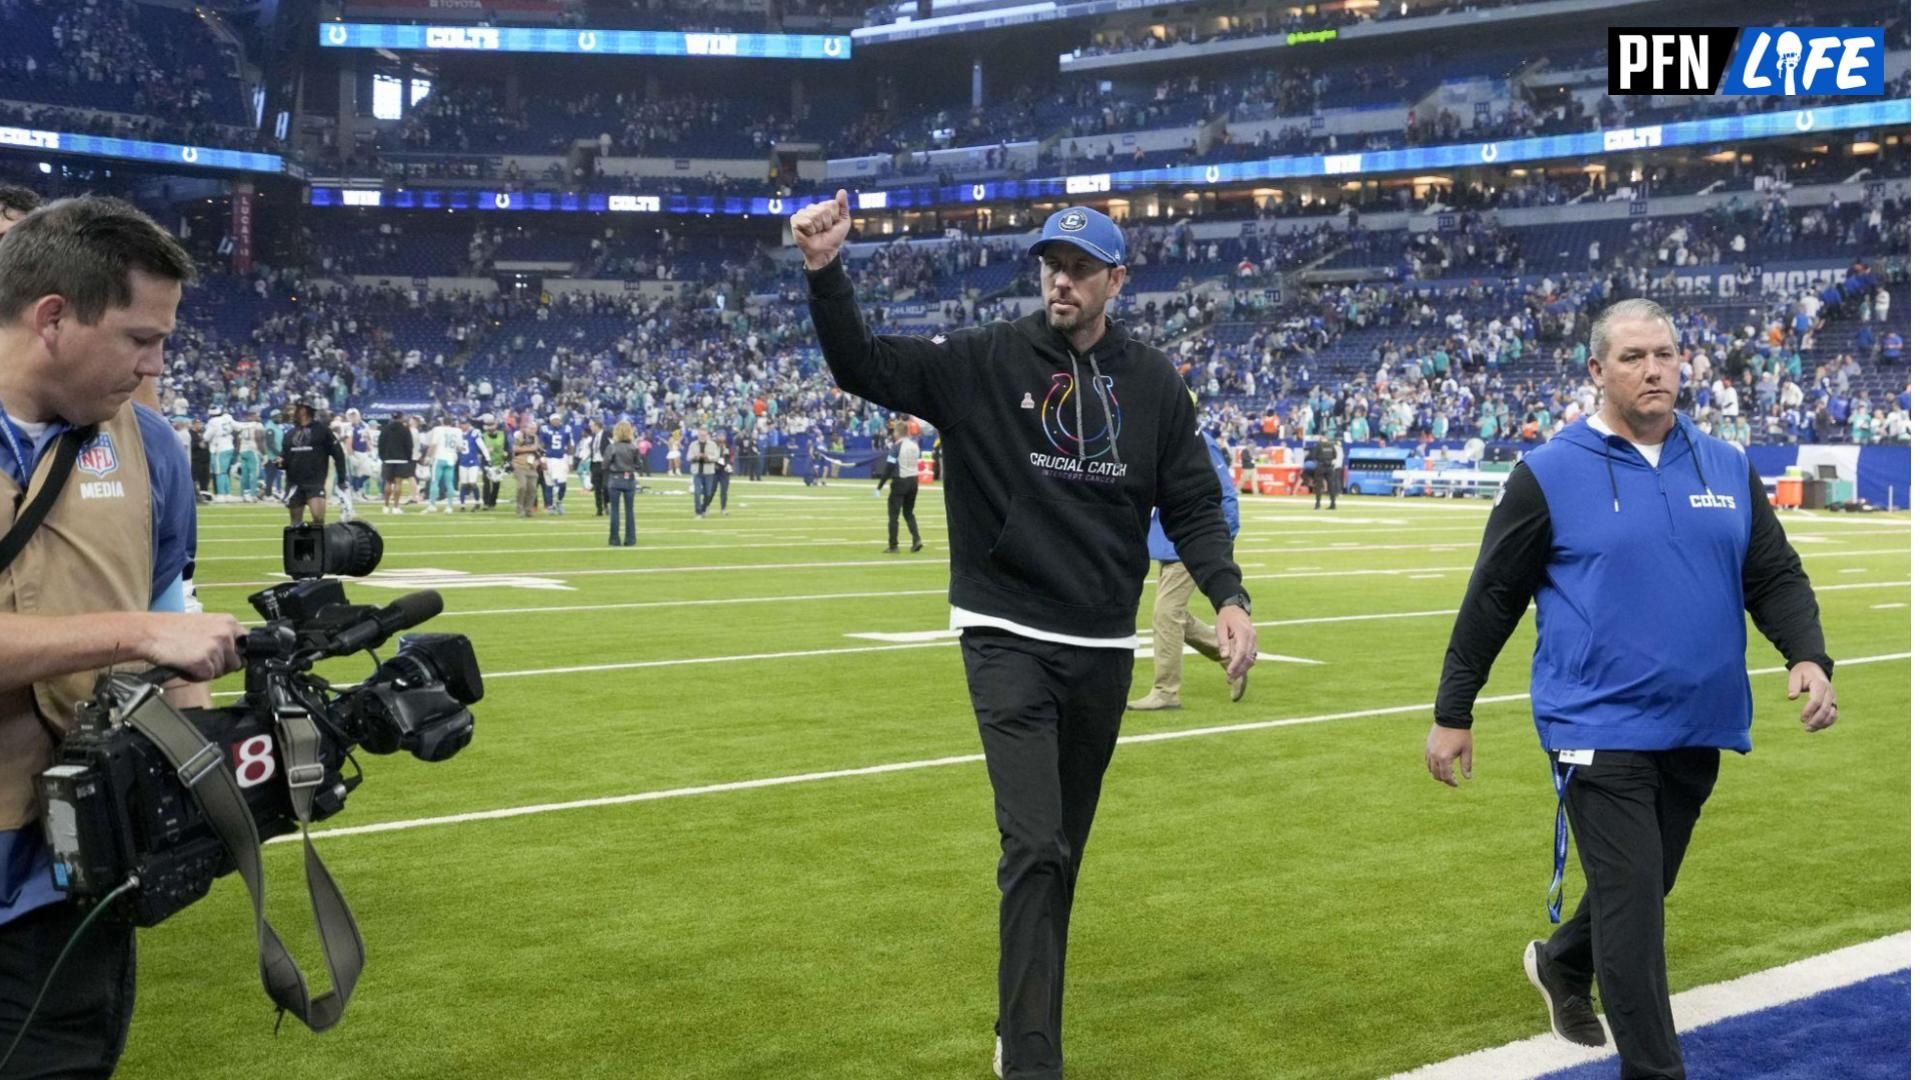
pixel 999 1063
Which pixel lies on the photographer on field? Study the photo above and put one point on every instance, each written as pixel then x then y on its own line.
pixel 93 579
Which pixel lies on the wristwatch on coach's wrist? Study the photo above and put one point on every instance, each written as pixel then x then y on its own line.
pixel 1240 600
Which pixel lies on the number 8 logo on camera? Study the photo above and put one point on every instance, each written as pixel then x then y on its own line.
pixel 253 762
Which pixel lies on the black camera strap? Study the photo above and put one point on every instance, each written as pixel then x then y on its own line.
pixel 29 520
pixel 202 768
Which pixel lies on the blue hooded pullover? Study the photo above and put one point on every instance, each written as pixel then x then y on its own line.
pixel 1641 619
pixel 1160 549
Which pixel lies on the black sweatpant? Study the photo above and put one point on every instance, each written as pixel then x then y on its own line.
pixel 1632 813
pixel 1049 715
pixel 900 499
pixel 1326 481
pixel 81 1027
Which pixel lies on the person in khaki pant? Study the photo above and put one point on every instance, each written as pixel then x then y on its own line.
pixel 1174 627
pixel 526 468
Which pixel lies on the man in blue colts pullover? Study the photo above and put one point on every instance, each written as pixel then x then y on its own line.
pixel 1642 540
pixel 1174 627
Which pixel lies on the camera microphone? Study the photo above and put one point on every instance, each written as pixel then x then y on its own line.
pixel 405 613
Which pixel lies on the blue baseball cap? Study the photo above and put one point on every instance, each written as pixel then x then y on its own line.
pixel 1089 230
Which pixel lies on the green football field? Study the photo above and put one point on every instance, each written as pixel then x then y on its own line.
pixel 758 842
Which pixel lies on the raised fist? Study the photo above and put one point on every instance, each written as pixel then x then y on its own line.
pixel 820 229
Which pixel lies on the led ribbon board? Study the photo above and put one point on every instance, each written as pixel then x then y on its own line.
pixel 203 157
pixel 1583 144
pixel 531 39
pixel 1465 155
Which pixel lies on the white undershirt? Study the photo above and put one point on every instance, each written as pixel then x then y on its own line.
pixel 1650 451
pixel 962 619
pixel 32 430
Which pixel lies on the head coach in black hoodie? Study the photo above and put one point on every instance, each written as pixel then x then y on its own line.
pixel 1048 494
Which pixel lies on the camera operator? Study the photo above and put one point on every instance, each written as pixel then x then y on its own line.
pixel 88 293
pixel 310 446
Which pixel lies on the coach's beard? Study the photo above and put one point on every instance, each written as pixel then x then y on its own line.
pixel 1074 319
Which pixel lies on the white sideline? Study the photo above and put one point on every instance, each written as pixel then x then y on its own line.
pixel 930 763
pixel 1692 1009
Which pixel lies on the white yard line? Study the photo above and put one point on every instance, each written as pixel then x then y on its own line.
pixel 926 763
pixel 900 561
pixel 581 549
pixel 1692 1009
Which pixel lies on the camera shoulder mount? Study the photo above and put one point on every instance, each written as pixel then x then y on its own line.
pixel 201 768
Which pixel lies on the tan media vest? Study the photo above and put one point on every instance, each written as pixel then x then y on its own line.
pixel 93 553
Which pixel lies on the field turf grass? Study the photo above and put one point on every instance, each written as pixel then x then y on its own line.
pixel 1296 901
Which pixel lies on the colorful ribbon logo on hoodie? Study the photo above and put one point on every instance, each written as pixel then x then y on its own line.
pixel 1057 417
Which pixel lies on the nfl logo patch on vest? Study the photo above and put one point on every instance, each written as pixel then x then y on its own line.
pixel 97 457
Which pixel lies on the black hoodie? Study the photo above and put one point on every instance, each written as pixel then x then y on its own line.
pixel 1046 509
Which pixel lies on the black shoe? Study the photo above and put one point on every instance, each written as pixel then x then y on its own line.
pixel 1569 1006
pixel 891 551
pixel 917 545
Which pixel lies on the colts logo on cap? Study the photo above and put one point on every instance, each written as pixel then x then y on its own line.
pixel 97 457
pixel 1073 222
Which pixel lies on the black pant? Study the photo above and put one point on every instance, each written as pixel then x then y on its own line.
pixel 1632 813
pixel 81 1027
pixel 597 475
pixel 489 490
pixel 1049 715
pixel 1326 479
pixel 900 503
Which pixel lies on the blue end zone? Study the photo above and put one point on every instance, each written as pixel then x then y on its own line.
pixel 1856 1032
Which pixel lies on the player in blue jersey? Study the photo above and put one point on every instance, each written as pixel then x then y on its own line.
pixel 556 447
pixel 473 461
